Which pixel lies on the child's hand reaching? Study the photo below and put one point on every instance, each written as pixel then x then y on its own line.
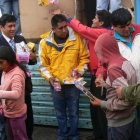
pixel 96 102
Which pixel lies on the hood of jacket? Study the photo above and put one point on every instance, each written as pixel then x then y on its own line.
pixel 107 50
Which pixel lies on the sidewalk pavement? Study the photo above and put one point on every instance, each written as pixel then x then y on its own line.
pixel 50 133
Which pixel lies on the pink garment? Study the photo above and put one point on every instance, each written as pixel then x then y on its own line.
pixel 12 92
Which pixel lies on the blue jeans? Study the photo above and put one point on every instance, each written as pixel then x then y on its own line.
pixel 68 97
pixel 12 7
pixel 103 4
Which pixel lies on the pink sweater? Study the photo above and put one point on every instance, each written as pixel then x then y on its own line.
pixel 12 91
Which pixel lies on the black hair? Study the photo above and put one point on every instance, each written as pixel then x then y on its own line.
pixel 104 16
pixel 6 53
pixel 57 19
pixel 7 18
pixel 120 17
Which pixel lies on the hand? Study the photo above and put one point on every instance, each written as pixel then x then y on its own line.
pixel 96 102
pixel 66 14
pixel 58 11
pixel 55 12
pixel 32 56
pixel 76 74
pixel 51 80
pixel 118 91
pixel 100 82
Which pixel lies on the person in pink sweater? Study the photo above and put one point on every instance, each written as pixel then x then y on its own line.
pixel 12 92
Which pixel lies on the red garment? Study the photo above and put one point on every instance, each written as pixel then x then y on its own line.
pixel 91 34
pixel 108 53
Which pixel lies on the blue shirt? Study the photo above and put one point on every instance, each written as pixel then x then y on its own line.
pixel 129 44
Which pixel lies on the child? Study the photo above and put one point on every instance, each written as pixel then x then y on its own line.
pixel 120 115
pixel 12 92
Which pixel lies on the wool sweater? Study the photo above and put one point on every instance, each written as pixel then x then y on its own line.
pixel 12 91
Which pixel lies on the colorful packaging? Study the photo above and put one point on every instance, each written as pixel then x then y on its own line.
pixel 45 3
pixel 79 84
pixel 31 46
pixel 22 52
pixel 57 85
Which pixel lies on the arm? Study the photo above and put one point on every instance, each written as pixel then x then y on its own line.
pixel 113 103
pixel 85 31
pixel 44 61
pixel 17 83
pixel 83 57
pixel 131 94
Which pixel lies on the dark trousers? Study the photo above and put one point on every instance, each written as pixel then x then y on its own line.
pixel 98 116
pixel 29 120
pixel 126 132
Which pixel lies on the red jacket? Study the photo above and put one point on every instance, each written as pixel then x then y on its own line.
pixel 91 34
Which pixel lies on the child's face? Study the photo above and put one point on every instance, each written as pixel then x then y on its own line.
pixel 4 65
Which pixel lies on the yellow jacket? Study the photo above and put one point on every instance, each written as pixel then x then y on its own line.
pixel 59 64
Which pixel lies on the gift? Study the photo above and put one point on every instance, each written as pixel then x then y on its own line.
pixel 45 3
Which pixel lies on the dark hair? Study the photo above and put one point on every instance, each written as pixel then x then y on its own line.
pixel 104 16
pixel 120 17
pixel 6 53
pixel 57 18
pixel 7 18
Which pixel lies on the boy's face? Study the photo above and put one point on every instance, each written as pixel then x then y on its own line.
pixel 124 30
pixel 61 30
pixel 9 29
pixel 96 23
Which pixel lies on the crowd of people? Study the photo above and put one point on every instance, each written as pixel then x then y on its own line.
pixel 112 57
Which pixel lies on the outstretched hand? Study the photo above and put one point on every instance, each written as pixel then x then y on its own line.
pixel 58 11
pixel 96 102
pixel 55 12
